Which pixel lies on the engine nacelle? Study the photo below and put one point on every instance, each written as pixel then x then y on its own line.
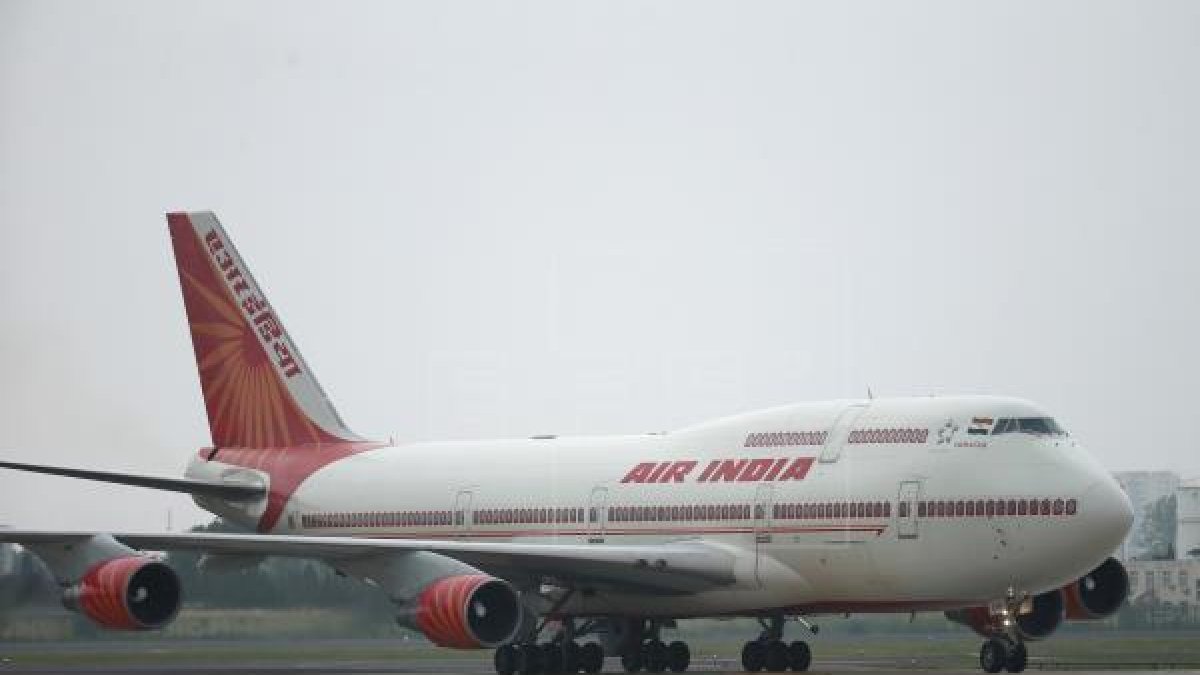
pixel 468 611
pixel 1041 617
pixel 129 593
pixel 1099 593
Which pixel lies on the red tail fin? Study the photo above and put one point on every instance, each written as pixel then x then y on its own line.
pixel 258 390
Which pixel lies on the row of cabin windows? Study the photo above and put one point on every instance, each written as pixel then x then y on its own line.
pixel 649 514
pixel 382 519
pixel 971 508
pixel 532 516
pixel 833 510
pixel 636 514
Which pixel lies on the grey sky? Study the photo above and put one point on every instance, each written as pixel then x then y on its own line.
pixel 487 219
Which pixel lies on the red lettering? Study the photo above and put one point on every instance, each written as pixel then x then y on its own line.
pixel 798 470
pixel 252 305
pixel 729 470
pixel 639 473
pixel 755 470
pixel 214 242
pixel 779 464
pixel 678 471
pixel 268 326
pixel 223 260
pixel 708 471
pixel 657 472
pixel 285 360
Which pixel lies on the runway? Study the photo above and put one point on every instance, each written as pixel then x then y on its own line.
pixel 14 666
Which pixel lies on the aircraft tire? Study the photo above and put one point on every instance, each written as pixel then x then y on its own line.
pixel 591 658
pixel 654 655
pixel 754 656
pixel 529 660
pixel 777 657
pixel 679 656
pixel 571 657
pixel 1017 659
pixel 505 660
pixel 632 661
pixel 993 655
pixel 799 656
pixel 552 658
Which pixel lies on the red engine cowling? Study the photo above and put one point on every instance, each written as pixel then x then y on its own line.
pixel 469 611
pixel 131 593
pixel 1099 593
pixel 1045 615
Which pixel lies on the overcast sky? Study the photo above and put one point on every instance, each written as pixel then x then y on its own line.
pixel 501 219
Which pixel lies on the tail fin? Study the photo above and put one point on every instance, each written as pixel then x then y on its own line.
pixel 258 390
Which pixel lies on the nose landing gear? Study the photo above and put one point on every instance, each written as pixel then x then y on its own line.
pixel 1003 654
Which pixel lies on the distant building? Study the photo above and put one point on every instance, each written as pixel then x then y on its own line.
pixel 1187 519
pixel 1174 582
pixel 1144 488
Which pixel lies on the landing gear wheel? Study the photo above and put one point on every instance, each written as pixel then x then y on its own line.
pixel 777 657
pixel 679 656
pixel 654 656
pixel 591 658
pixel 505 660
pixel 993 655
pixel 754 656
pixel 799 656
pixel 571 657
pixel 632 661
pixel 529 660
pixel 1017 658
pixel 552 658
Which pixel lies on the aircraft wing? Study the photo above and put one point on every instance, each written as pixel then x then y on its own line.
pixel 230 490
pixel 672 568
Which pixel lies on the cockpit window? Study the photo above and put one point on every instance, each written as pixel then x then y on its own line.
pixel 1041 426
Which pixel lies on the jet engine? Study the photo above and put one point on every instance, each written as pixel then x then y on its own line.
pixel 127 593
pixel 1099 593
pixel 1042 616
pixel 467 611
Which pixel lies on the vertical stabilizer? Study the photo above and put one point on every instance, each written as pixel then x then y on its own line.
pixel 258 391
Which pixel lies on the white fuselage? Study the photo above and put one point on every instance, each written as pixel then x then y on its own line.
pixel 880 505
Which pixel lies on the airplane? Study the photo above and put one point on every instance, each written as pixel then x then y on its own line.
pixel 557 552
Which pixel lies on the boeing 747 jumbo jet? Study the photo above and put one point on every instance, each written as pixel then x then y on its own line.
pixel 556 552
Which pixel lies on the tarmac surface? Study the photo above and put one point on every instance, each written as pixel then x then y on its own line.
pixel 476 667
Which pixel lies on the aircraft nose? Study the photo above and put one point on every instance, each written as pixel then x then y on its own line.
pixel 1107 515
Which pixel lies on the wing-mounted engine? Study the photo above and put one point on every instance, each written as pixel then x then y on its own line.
pixel 1099 593
pixel 111 584
pixel 131 593
pixel 451 603
pixel 468 611
pixel 1039 617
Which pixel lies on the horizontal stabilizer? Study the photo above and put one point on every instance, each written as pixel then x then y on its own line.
pixel 232 491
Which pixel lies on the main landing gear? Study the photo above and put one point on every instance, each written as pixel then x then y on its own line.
pixel 1003 653
pixel 648 652
pixel 769 652
pixel 562 655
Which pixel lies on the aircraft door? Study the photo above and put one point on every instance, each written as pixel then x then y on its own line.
pixel 463 516
pixel 906 509
pixel 597 515
pixel 764 514
pixel 840 432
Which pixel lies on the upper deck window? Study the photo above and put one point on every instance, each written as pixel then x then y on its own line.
pixel 1039 426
